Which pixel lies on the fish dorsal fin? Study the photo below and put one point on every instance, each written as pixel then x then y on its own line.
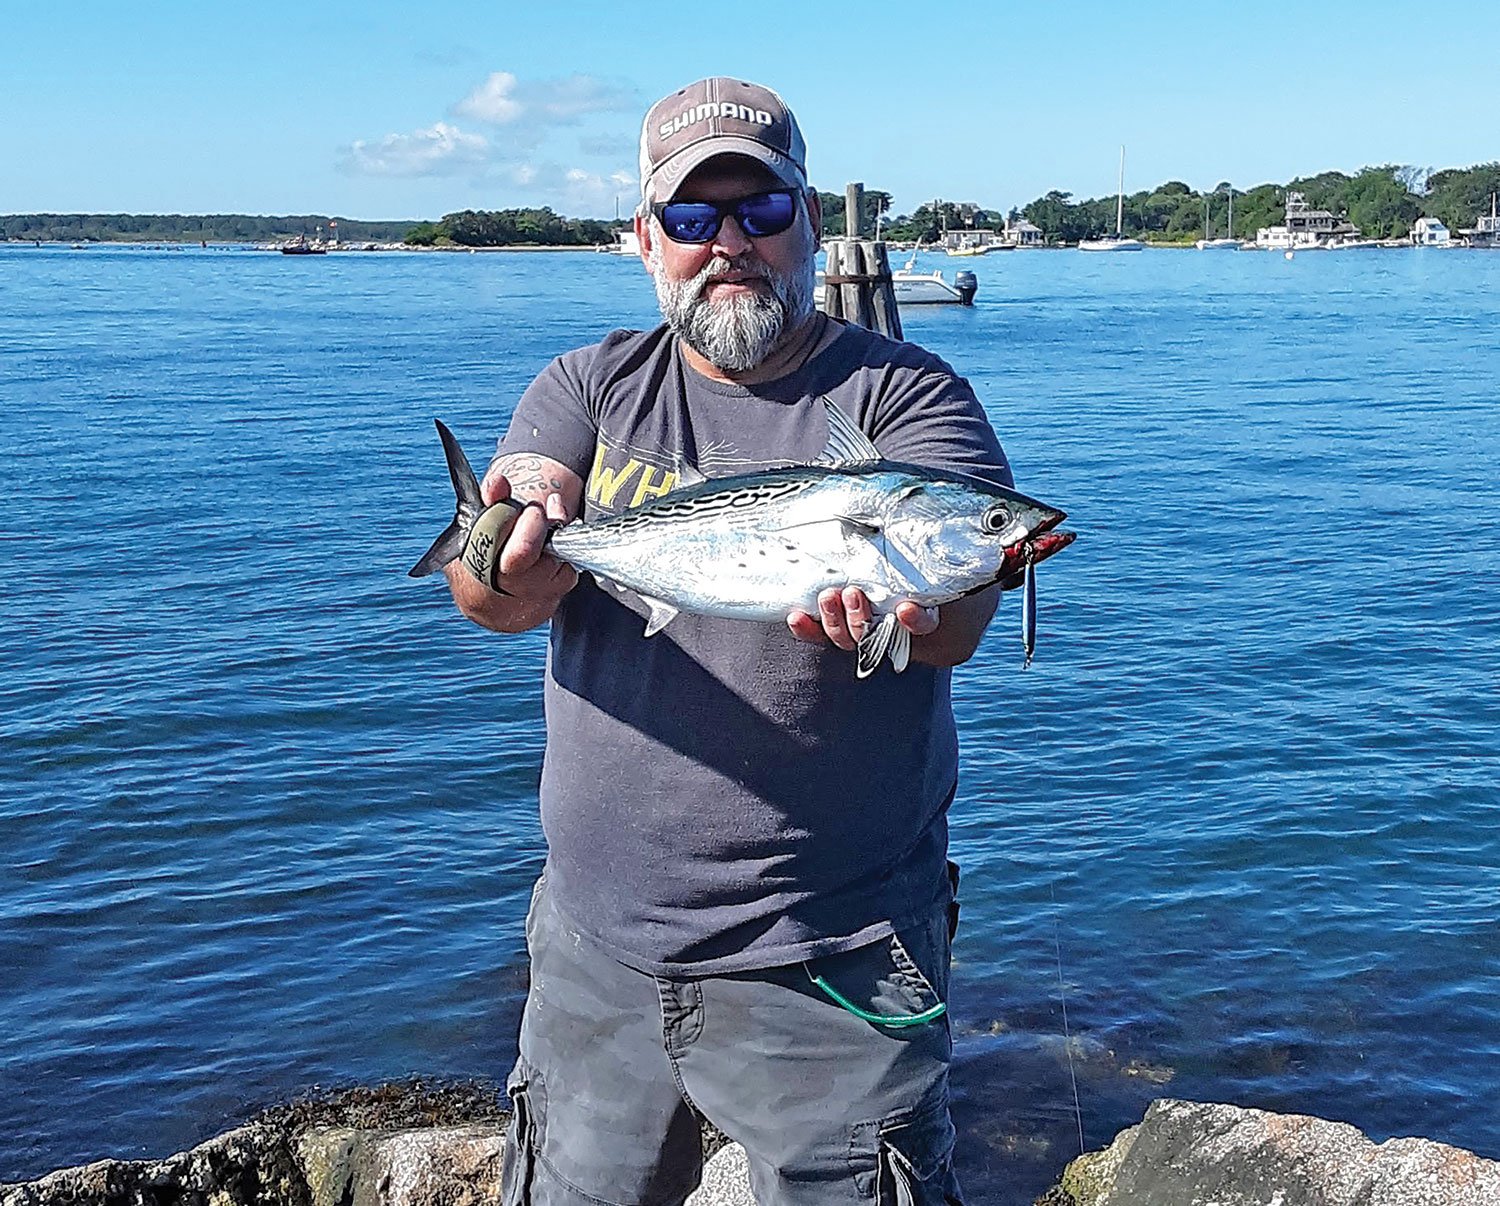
pixel 688 475
pixel 847 444
pixel 661 615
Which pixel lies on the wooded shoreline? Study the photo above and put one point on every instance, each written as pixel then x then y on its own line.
pixel 1383 202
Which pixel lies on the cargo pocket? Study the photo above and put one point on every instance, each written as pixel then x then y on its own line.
pixel 522 1139
pixel 906 1160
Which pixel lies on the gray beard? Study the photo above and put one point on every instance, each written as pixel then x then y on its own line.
pixel 737 334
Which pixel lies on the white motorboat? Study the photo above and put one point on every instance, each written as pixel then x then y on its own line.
pixel 913 288
pixel 1119 241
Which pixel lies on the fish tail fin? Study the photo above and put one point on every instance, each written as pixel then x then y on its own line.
pixel 444 549
pixel 466 486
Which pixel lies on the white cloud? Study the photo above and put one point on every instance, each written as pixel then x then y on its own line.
pixel 493 101
pixel 523 119
pixel 575 191
pixel 439 150
pixel 566 100
pixel 504 100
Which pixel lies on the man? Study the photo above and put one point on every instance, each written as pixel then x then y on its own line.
pixel 745 911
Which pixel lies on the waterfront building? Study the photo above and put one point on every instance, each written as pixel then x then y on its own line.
pixel 1306 228
pixel 1021 233
pixel 972 240
pixel 1486 232
pixel 1430 232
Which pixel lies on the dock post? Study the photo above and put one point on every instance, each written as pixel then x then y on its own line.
pixel 857 281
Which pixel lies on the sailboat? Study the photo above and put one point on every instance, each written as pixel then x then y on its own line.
pixel 1117 241
pixel 1228 244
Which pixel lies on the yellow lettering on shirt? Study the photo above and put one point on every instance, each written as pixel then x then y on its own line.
pixel 649 488
pixel 604 482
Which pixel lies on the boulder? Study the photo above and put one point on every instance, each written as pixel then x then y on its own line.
pixel 726 1180
pixel 431 1166
pixel 1197 1154
pixel 250 1166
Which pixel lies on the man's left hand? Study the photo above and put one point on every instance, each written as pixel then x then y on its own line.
pixel 845 616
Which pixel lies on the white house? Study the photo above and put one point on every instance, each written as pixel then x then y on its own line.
pixel 1429 232
pixel 1022 233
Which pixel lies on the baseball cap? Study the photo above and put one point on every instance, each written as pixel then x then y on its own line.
pixel 718 116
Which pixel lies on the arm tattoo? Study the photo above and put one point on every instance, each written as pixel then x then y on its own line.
pixel 531 477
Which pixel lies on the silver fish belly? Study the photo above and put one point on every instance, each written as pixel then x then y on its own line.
pixel 762 545
pixel 755 551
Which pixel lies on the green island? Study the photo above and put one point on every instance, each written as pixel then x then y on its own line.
pixel 192 228
pixel 1383 202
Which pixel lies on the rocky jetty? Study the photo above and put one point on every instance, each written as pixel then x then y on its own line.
pixel 1186 1153
pixel 416 1146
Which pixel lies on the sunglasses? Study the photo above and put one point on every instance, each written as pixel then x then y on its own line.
pixel 759 216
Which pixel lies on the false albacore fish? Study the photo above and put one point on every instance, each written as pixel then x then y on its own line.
pixel 759 546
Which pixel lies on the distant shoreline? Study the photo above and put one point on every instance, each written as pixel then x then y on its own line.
pixel 342 249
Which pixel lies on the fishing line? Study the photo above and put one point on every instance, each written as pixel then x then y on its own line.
pixel 1062 993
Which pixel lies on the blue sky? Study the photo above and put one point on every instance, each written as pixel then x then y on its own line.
pixel 380 110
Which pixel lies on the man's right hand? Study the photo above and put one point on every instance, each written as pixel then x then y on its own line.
pixel 532 580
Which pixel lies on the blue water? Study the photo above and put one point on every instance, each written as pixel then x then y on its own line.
pixel 268 806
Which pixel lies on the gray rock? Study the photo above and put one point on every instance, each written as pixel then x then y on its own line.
pixel 431 1166
pixel 250 1166
pixel 726 1180
pixel 1193 1154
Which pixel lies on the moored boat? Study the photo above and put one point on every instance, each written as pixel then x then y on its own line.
pixel 913 288
pixel 1119 241
pixel 1228 242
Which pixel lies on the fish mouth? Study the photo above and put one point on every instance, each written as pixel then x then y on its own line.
pixel 1036 547
pixel 1043 519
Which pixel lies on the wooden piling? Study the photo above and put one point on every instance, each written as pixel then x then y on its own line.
pixel 857 280
pixel 854 208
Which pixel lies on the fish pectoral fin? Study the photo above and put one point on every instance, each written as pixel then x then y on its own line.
pixel 661 615
pixel 887 639
pixel 868 526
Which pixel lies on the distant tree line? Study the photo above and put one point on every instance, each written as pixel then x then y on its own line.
pixel 513 227
pixel 193 228
pixel 1382 201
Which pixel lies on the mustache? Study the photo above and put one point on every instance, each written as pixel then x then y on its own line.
pixel 748 264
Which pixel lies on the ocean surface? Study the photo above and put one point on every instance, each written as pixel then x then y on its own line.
pixel 267 806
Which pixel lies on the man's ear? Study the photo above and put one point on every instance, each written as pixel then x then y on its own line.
pixel 643 237
pixel 815 212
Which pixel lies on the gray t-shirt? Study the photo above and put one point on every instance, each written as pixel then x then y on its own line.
pixel 722 796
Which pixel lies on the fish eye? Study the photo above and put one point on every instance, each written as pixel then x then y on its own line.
pixel 996 519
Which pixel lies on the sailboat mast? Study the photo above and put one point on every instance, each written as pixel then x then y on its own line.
pixel 1231 211
pixel 1120 203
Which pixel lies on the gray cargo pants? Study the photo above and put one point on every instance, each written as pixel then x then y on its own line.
pixel 617 1067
